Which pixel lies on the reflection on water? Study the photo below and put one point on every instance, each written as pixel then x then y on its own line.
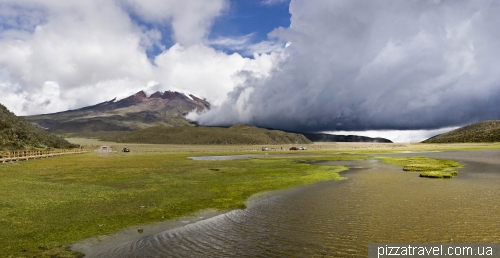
pixel 338 219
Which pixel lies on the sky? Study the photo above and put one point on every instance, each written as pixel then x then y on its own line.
pixel 404 70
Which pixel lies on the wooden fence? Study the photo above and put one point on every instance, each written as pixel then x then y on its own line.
pixel 7 156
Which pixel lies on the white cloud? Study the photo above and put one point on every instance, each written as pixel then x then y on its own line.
pixel 232 42
pixel 190 19
pixel 348 65
pixel 274 2
pixel 244 45
pixel 201 70
pixel 79 45
pixel 59 55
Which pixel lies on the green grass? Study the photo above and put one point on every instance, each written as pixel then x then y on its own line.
pixel 485 131
pixel 17 134
pixel 439 174
pixel 47 204
pixel 433 168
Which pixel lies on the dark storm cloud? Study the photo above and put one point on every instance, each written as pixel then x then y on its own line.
pixel 359 65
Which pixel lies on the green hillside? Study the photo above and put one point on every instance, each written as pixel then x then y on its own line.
pixel 238 134
pixel 486 131
pixel 17 133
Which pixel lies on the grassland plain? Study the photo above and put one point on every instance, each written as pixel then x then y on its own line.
pixel 47 204
pixel 328 147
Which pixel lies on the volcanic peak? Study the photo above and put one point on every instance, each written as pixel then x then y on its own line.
pixel 141 97
pixel 131 113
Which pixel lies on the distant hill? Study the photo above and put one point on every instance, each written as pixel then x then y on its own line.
pixel 238 134
pixel 323 137
pixel 132 113
pixel 17 133
pixel 486 131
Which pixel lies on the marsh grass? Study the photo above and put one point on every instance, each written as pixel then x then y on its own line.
pixel 439 174
pixel 433 168
pixel 47 204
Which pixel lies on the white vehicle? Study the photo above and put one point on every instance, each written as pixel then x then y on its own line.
pixel 302 148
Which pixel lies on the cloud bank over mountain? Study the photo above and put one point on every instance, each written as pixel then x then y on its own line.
pixel 372 65
pixel 347 65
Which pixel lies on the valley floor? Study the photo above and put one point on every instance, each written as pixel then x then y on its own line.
pixel 50 203
pixel 317 146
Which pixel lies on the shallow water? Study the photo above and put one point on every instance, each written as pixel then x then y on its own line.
pixel 378 203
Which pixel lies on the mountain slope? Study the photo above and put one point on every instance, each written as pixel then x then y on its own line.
pixel 132 113
pixel 323 137
pixel 486 131
pixel 17 133
pixel 238 134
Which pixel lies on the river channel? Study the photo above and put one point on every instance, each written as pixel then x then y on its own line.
pixel 378 203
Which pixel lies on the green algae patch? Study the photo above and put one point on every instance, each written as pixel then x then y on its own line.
pixel 50 203
pixel 439 174
pixel 428 167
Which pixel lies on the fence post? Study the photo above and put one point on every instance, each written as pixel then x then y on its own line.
pixel 19 155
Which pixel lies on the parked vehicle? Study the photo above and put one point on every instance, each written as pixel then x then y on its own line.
pixel 125 149
pixel 302 148
pixel 264 148
pixel 293 148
